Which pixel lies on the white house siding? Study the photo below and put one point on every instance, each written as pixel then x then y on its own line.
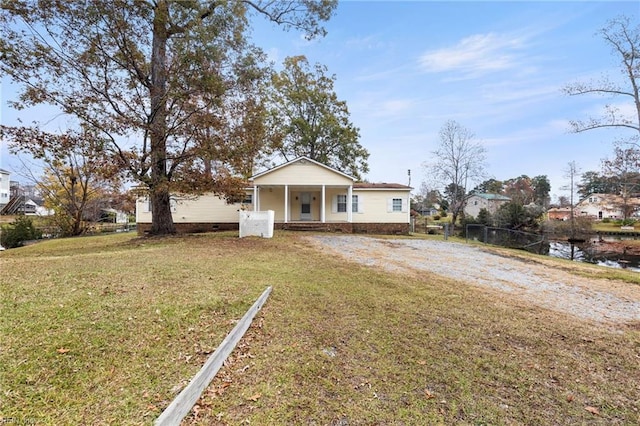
pixel 377 203
pixel 302 173
pixel 373 206
pixel 273 199
pixel 203 209
pixel 4 187
pixel 475 203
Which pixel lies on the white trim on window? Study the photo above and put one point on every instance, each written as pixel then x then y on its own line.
pixel 396 205
pixel 341 203
pixel 355 204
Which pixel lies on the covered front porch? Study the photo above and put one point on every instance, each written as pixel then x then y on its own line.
pixel 322 204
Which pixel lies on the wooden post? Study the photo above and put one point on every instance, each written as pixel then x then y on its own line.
pixel 180 407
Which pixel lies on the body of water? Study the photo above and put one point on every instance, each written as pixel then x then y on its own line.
pixel 583 252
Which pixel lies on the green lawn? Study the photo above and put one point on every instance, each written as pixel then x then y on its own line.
pixel 107 330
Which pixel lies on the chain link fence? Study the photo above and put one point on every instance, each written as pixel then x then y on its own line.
pixel 510 238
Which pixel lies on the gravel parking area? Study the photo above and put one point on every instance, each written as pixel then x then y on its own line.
pixel 603 301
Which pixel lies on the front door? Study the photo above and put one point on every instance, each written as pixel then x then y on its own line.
pixel 305 206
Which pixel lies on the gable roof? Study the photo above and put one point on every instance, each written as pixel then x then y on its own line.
pixel 301 159
pixel 366 185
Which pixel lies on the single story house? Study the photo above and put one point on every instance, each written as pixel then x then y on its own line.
pixel 304 194
pixel 490 202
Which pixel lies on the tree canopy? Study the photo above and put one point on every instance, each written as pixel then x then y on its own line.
pixel 173 86
pixel 75 174
pixel 311 119
pixel 596 182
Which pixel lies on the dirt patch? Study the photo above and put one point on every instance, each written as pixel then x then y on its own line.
pixel 603 301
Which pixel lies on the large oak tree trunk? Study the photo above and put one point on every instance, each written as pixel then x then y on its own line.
pixel 162 221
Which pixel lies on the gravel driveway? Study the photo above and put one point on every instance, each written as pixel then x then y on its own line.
pixel 603 301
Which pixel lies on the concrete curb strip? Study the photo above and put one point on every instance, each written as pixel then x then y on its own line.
pixel 182 404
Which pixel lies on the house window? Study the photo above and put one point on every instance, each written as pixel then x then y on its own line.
pixel 342 203
pixel 354 203
pixel 146 205
pixel 248 199
pixel 396 205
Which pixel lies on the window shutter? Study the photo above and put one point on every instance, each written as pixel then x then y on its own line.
pixel 334 204
pixel 389 205
pixel 360 209
pixel 404 205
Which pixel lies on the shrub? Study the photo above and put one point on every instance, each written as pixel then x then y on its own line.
pixel 606 220
pixel 436 217
pixel 21 230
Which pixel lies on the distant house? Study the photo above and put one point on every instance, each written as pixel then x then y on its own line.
pixel 490 202
pixel 559 213
pixel 427 211
pixel 5 187
pixel 304 194
pixel 113 216
pixel 27 206
pixel 607 206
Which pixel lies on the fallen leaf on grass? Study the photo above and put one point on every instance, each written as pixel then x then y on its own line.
pixel 592 410
pixel 428 394
pixel 63 350
pixel 255 397
pixel 422 362
pixel 570 398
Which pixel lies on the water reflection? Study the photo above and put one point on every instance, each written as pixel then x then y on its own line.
pixel 585 252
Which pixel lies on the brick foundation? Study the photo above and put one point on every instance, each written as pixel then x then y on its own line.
pixel 193 228
pixel 343 227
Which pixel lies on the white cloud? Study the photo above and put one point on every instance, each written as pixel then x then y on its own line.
pixel 474 55
pixel 370 42
pixel 393 107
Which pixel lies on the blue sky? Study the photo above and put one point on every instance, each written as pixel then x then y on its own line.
pixel 497 68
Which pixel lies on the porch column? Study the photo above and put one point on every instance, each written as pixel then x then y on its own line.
pixel 350 204
pixel 322 205
pixel 256 205
pixel 286 203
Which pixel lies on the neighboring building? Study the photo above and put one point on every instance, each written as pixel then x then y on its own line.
pixel 490 202
pixel 24 199
pixel 113 216
pixel 559 213
pixel 5 187
pixel 304 194
pixel 607 206
pixel 427 211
